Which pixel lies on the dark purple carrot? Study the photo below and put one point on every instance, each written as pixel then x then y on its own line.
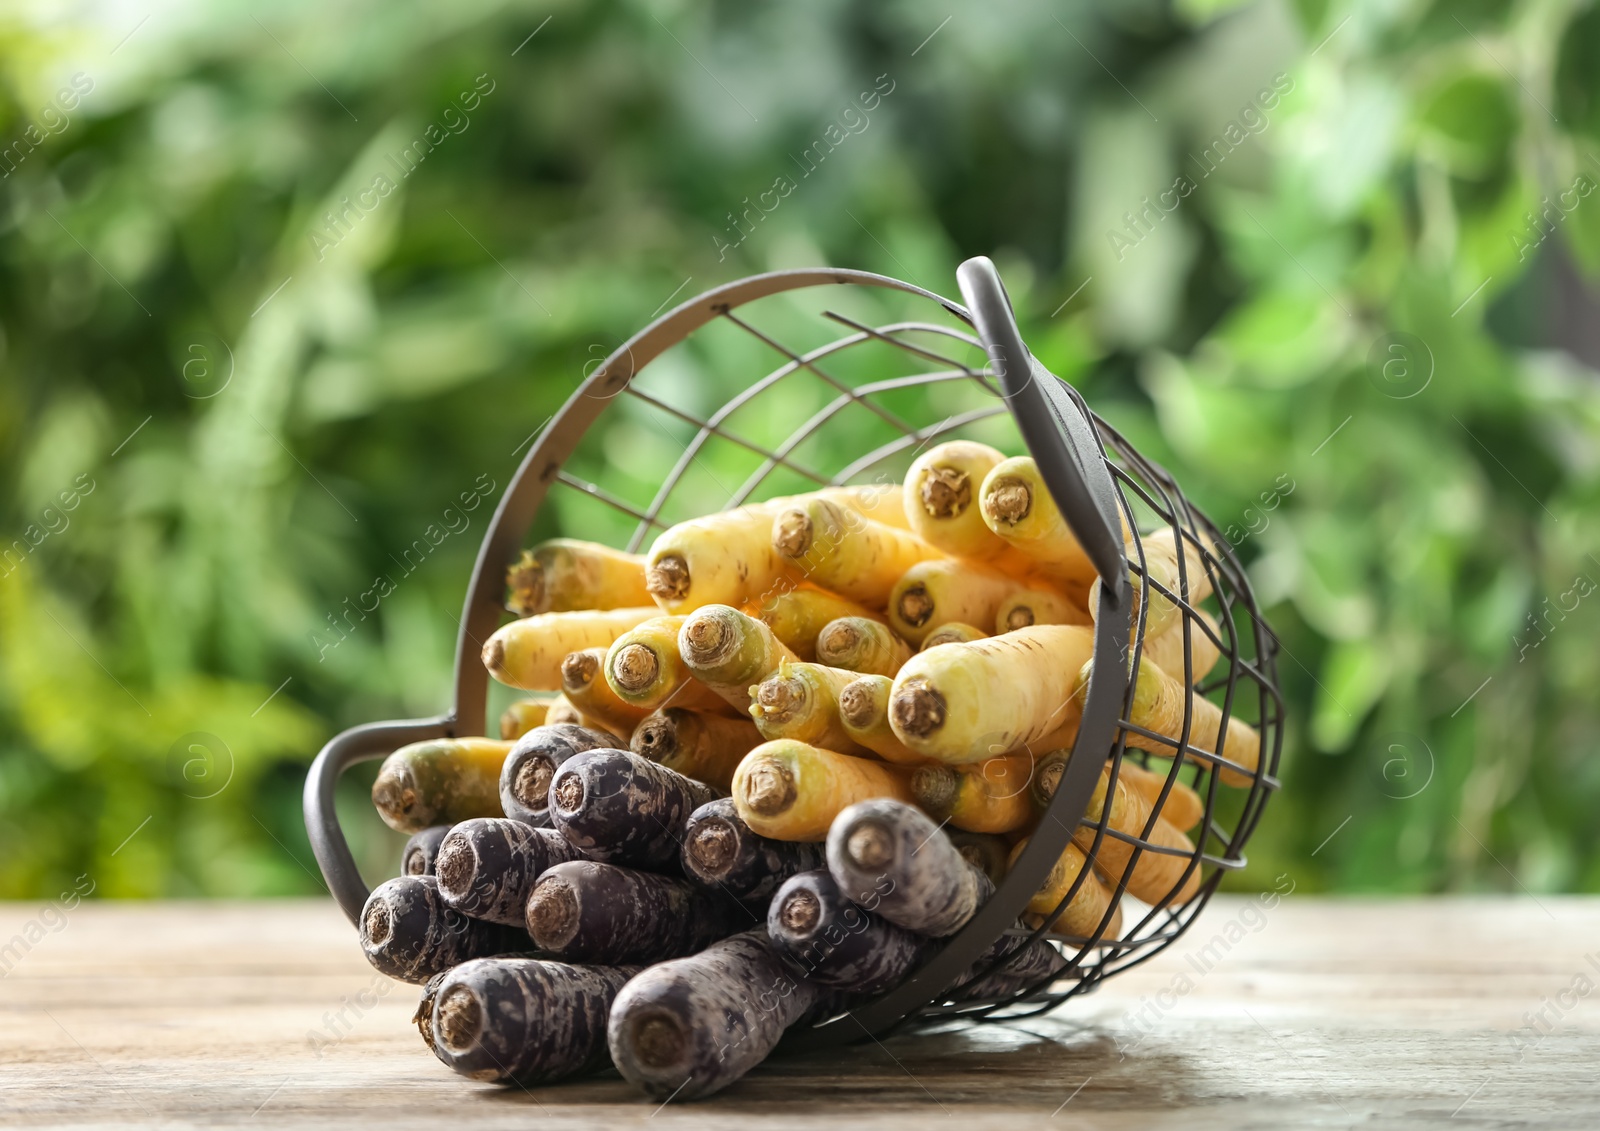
pixel 1028 966
pixel 487 866
pixel 691 1027
pixel 422 1018
pixel 892 859
pixel 988 853
pixel 622 808
pixel 830 940
pixel 525 777
pixel 420 852
pixel 721 851
pixel 523 1019
pixel 585 911
pixel 408 933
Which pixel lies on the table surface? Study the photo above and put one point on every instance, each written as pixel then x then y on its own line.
pixel 1336 1013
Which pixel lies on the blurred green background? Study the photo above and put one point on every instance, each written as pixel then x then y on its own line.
pixel 1359 326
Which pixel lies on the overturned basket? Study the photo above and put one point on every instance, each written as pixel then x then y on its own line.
pixel 1096 478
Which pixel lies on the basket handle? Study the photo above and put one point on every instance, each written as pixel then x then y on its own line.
pixel 1054 423
pixel 358 744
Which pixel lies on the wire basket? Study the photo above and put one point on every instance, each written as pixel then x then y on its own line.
pixel 894 386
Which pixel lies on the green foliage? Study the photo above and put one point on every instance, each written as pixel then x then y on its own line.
pixel 272 404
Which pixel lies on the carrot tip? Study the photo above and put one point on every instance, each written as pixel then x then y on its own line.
pixel 946 492
pixel 917 708
pixel 460 1018
pixel 793 533
pixel 668 578
pixel 1009 501
pixel 870 845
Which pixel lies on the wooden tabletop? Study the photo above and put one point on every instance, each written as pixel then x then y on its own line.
pixel 1325 1013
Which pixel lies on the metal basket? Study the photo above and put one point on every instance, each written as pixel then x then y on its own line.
pixel 1092 472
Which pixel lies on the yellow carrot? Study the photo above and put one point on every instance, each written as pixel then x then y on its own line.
pixel 644 668
pixel 563 713
pixel 838 549
pixel 801 701
pixel 864 714
pixel 933 593
pixel 1018 507
pixel 953 633
pixel 439 782
pixel 527 653
pixel 967 702
pixel 881 502
pixel 1156 876
pixel 941 500
pixel 565 574
pixel 729 651
pixel 584 684
pixel 724 558
pixel 987 797
pixel 1165 649
pixel 1182 808
pixel 1161 563
pixel 1037 606
pixel 788 790
pixel 1080 918
pixel 797 615
pixel 698 745
pixel 523 715
pixel 862 645
pixel 1158 706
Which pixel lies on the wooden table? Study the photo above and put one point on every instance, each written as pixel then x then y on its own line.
pixel 1329 1013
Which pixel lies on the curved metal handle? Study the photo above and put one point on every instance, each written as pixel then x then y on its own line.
pixel 358 744
pixel 1054 423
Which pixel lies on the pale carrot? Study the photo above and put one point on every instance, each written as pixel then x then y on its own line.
pixel 1017 505
pixel 1165 649
pixel 1038 606
pixel 584 684
pixel 967 702
pixel 862 645
pixel 523 715
pixel 941 500
pixel 725 558
pixel 1161 564
pixel 796 616
pixel 644 668
pixel 527 653
pixel 933 593
pixel 801 701
pixel 953 633
pixel 1156 876
pixel 788 790
pixel 838 549
pixel 864 714
pixel 729 651
pixel 881 502
pixel 565 574
pixel 1183 807
pixel 697 744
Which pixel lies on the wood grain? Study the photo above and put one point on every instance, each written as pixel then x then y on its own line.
pixel 1330 1013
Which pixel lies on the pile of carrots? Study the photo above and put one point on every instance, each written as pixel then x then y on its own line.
pixel 774 761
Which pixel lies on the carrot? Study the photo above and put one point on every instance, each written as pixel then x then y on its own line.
pixel 864 714
pixel 721 851
pixel 1037 606
pixel 440 781
pixel 725 558
pixel 1017 505
pixel 967 702
pixel 1161 563
pixel 1156 876
pixel 487 866
pixel 986 797
pixel 838 549
pixel 833 942
pixel 797 615
pixel 565 574
pixel 863 645
pixel 527 653
pixel 697 745
pixel 787 790
pixel 1182 808
pixel 1081 917
pixel 890 858
pixel 1159 702
pixel 563 713
pixel 1165 649
pixel 525 777
pixel 583 683
pixel 422 851
pixel 941 501
pixel 523 715
pixel 801 701
pixel 586 911
pixel 933 593
pixel 621 808
pixel 984 851
pixel 729 651
pixel 881 502
pixel 644 668
pixel 524 1019
pixel 407 931
pixel 953 633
